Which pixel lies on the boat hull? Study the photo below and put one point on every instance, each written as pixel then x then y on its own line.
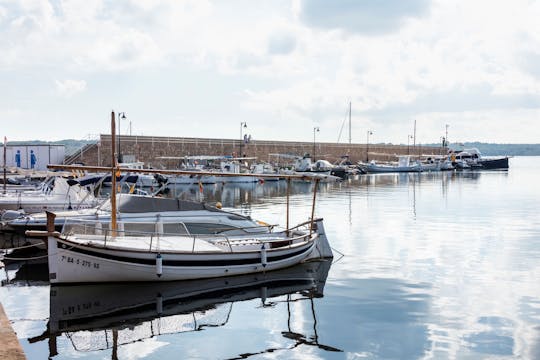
pixel 494 164
pixel 73 263
pixel 374 169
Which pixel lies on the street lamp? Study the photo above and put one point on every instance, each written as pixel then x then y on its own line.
pixel 121 115
pixel 369 132
pixel 409 137
pixel 243 125
pixel 315 130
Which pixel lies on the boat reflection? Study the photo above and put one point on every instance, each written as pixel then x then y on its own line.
pixel 105 316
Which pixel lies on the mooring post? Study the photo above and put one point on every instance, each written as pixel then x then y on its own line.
pixel 50 221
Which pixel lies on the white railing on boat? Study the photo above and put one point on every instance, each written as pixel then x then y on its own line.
pixel 101 236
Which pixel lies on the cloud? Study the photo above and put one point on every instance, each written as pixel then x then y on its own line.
pixel 68 88
pixel 361 16
pixel 281 43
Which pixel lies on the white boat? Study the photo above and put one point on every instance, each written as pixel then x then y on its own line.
pixel 65 194
pixel 235 167
pixel 140 179
pixel 86 253
pixel 195 217
pixel 191 179
pixel 436 163
pixel 265 171
pixel 403 165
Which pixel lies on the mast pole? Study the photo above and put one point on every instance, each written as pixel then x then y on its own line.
pixel 5 177
pixel 350 108
pixel 113 175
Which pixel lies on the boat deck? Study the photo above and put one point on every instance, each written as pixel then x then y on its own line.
pixel 179 243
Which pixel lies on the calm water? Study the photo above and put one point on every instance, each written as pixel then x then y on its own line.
pixel 443 266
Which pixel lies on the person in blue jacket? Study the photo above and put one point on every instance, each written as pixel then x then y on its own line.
pixel 32 159
pixel 18 158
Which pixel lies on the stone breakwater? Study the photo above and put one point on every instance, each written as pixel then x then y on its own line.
pixel 153 150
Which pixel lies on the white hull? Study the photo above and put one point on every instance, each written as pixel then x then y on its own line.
pixel 237 179
pixel 370 168
pixel 76 267
pixel 191 180
pixel 90 258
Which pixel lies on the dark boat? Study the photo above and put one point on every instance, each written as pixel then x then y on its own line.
pixel 472 159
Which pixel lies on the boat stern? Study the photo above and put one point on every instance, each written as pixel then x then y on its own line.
pixel 322 249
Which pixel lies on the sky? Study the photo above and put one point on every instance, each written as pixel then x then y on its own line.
pixel 201 68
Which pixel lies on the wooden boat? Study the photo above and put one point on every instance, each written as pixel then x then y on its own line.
pixel 85 253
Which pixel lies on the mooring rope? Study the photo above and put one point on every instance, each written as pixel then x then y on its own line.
pixel 34 257
pixel 21 247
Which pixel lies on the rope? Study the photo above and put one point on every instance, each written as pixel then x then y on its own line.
pixel 37 257
pixel 25 259
pixel 21 247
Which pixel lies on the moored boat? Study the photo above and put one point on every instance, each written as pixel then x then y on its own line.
pixel 403 165
pixel 195 217
pixel 85 253
pixel 472 159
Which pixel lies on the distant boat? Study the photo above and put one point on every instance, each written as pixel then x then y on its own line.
pixel 403 165
pixel 473 159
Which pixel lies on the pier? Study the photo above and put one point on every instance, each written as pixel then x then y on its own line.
pixel 153 149
pixel 10 348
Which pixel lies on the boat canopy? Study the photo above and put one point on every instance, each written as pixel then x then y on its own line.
pixel 139 204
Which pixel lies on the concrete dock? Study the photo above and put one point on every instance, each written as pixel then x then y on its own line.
pixel 10 348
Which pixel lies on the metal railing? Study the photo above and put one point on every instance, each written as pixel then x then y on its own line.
pixel 97 231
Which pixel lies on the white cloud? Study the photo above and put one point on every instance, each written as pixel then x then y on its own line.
pixel 68 88
pixel 304 60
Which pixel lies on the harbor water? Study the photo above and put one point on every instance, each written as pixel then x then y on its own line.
pixel 442 265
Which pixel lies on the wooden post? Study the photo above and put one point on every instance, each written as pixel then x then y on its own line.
pixel 113 175
pixel 50 221
pixel 316 185
pixel 288 194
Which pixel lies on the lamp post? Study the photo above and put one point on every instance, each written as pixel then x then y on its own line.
pixel 121 116
pixel 369 132
pixel 315 130
pixel 409 137
pixel 243 125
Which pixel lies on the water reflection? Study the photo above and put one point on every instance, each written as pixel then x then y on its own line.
pixel 386 318
pixel 108 316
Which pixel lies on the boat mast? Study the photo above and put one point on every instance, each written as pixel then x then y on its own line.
pixel 113 175
pixel 5 177
pixel 350 106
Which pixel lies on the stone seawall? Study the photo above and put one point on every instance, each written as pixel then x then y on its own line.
pixel 154 150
